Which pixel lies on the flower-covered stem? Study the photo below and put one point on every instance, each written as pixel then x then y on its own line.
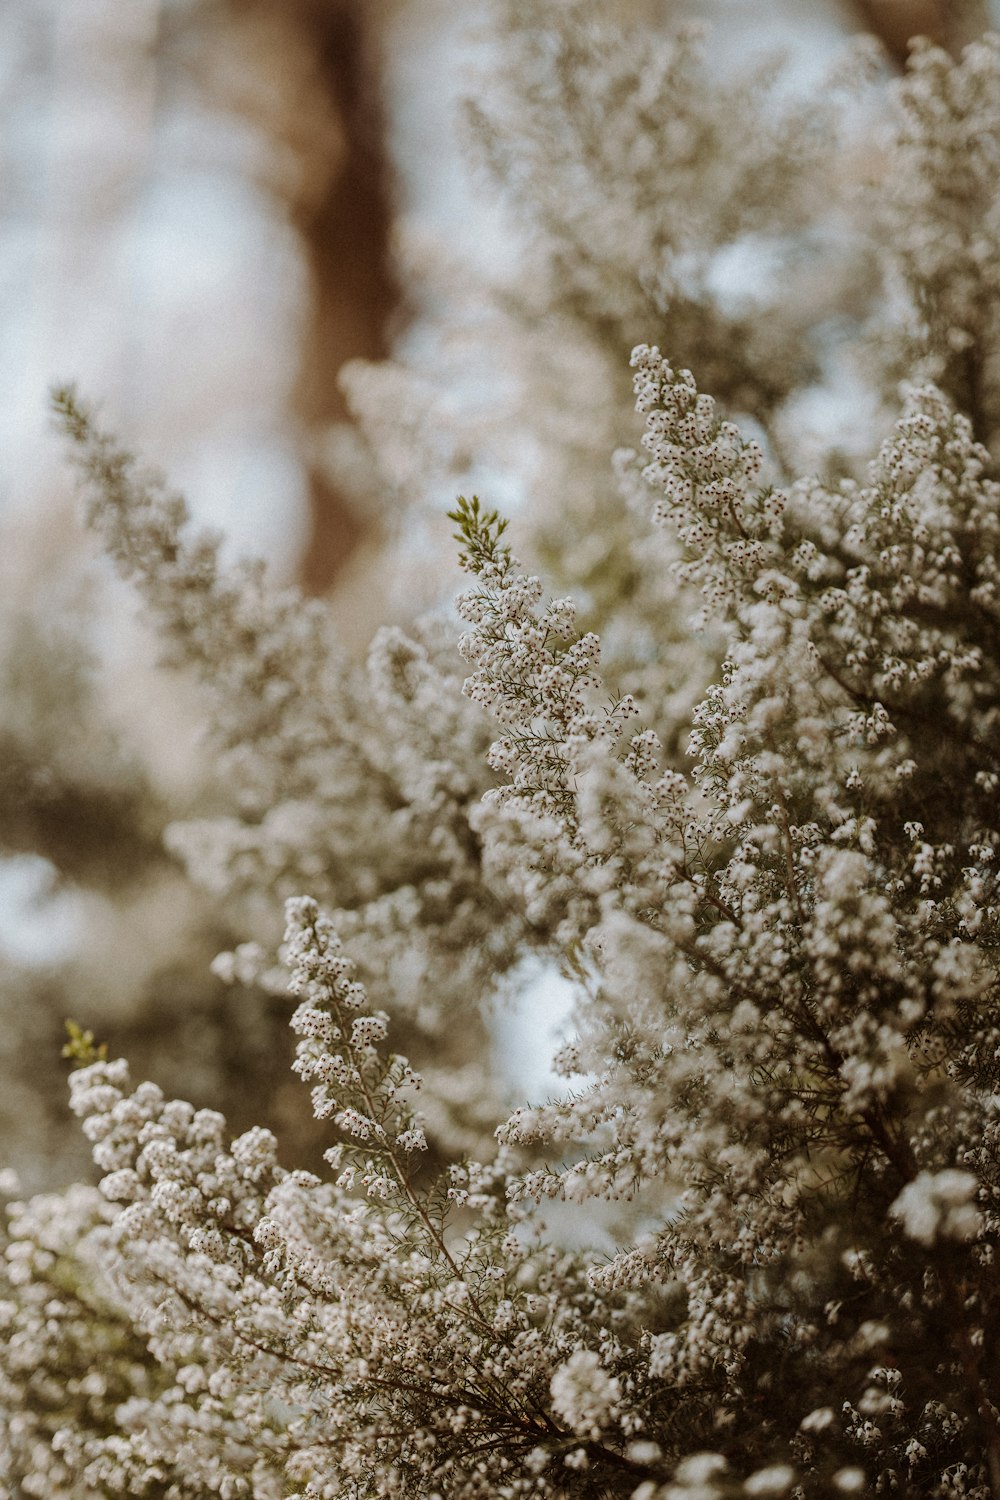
pixel 971 1362
pixel 305 930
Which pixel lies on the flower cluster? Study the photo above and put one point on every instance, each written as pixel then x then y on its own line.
pixel 938 226
pixel 268 1333
pixel 752 1250
pixel 320 758
pixel 533 671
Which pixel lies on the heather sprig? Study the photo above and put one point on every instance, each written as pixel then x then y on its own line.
pixel 534 671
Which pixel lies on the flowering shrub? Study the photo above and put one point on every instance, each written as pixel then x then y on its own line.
pixel 782 1112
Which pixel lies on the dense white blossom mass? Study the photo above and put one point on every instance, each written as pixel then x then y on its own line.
pixel 781 1129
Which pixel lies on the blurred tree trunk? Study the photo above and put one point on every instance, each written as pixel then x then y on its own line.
pixel 346 234
pixel 304 74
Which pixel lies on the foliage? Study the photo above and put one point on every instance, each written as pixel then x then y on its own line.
pixel 781 1103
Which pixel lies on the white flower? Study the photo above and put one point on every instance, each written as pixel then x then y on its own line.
pixel 584 1395
pixel 939 1205
pixel 776 1479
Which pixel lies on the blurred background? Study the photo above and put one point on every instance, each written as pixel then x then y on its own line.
pixel 219 218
